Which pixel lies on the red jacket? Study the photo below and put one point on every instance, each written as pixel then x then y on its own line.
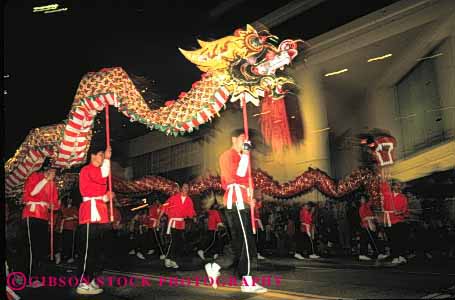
pixel 46 196
pixel 214 219
pixel 395 206
pixel 174 208
pixel 306 220
pixel 69 218
pixel 229 165
pixel 154 214
pixel 365 213
pixel 92 184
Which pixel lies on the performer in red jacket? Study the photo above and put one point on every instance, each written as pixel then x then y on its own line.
pixel 213 242
pixel 368 233
pixel 40 195
pixel 235 181
pixel 395 207
pixel 93 218
pixel 178 207
pixel 154 212
pixel 306 234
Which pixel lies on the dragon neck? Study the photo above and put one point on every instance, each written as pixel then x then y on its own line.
pixel 193 108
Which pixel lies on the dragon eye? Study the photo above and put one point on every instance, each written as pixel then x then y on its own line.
pixel 253 42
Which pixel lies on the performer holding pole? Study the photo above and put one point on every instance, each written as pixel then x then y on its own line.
pixel 368 233
pixel 235 180
pixel 213 241
pixel 93 217
pixel 154 225
pixel 40 194
pixel 396 211
pixel 178 207
pixel 306 235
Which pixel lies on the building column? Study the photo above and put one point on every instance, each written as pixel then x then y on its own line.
pixel 315 150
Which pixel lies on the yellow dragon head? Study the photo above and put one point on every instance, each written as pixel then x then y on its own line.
pixel 247 61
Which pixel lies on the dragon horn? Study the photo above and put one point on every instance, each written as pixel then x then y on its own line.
pixel 202 43
pixel 190 55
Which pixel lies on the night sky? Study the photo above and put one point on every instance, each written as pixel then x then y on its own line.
pixel 46 55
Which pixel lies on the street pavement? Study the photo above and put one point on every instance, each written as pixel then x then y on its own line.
pixel 334 278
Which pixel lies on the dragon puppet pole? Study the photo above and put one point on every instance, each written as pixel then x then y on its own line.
pixel 108 145
pixel 250 181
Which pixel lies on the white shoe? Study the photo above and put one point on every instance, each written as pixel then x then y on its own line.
pixel 58 258
pixel 402 260
pixel 260 257
pixel 382 256
pixel 70 261
pixel 252 288
pixel 201 254
pixel 170 263
pixel 162 257
pixel 87 289
pixel 150 252
pixel 396 261
pixel 213 271
pixel 215 256
pixel 314 256
pixel 299 256
pixel 140 255
pixel 132 252
pixel 364 257
pixel 36 284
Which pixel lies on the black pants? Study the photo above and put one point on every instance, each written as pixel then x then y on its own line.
pixel 92 249
pixel 303 243
pixel 37 245
pixel 398 236
pixel 242 240
pixel 370 237
pixel 69 240
pixel 212 242
pixel 177 244
pixel 58 242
